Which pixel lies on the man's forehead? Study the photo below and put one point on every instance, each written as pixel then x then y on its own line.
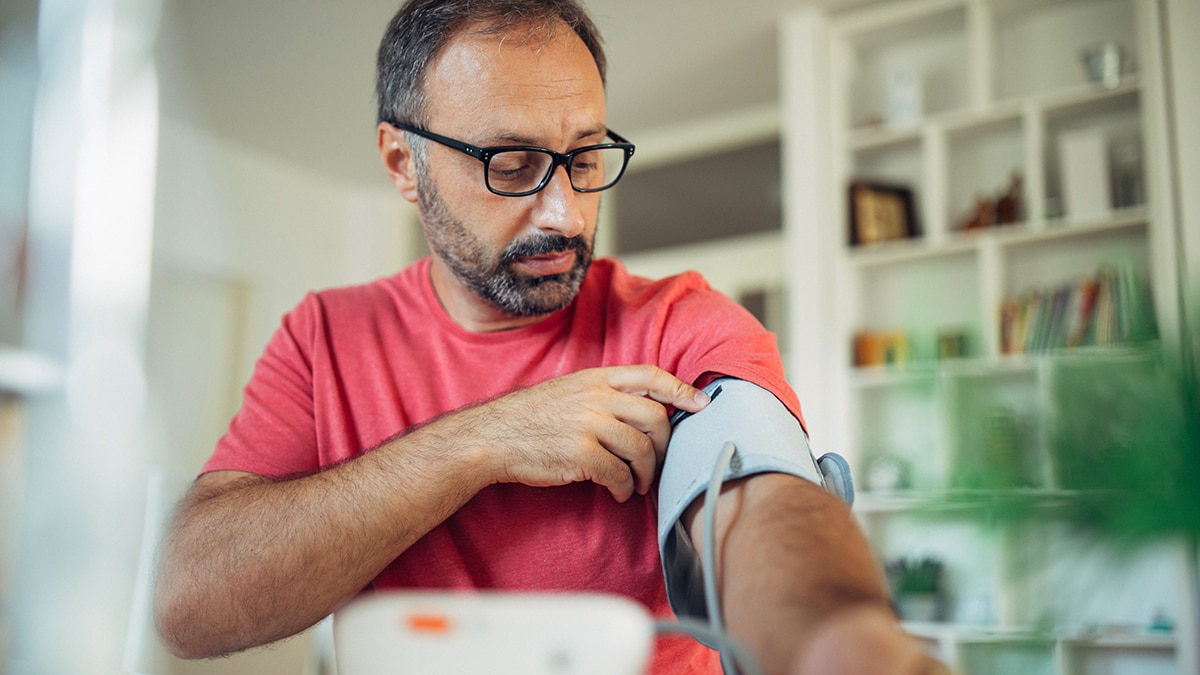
pixel 530 69
pixel 505 40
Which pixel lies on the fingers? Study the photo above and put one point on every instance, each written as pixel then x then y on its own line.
pixel 639 453
pixel 647 417
pixel 657 384
pixel 607 470
pixel 645 389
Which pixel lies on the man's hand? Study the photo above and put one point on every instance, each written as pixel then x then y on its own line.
pixel 605 425
pixel 864 641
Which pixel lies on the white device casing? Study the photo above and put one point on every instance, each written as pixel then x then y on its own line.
pixel 394 633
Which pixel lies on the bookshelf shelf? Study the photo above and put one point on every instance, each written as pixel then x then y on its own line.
pixel 1011 236
pixel 1132 218
pixel 1073 650
pixel 870 377
pixel 877 139
pixel 1124 218
pixel 883 502
pixel 1132 640
pixel 1087 98
pixel 907 250
pixel 24 372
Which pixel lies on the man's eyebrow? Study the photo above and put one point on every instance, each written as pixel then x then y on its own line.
pixel 599 130
pixel 514 138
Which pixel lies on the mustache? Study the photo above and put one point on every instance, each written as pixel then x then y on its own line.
pixel 543 244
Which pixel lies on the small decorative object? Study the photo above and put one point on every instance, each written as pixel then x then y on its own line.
pixel 871 120
pixel 1127 172
pixel 983 216
pixel 877 348
pixel 880 213
pixel 13 274
pixel 1054 207
pixel 916 585
pixel 1007 207
pixel 868 349
pixel 1104 64
pixel 904 100
pixel 1010 203
pixel 952 344
pixel 1086 187
pixel 1004 464
pixel 1161 622
pixel 895 348
pixel 887 474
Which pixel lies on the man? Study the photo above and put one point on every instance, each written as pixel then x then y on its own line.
pixel 496 415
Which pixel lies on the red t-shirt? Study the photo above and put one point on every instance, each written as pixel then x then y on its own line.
pixel 350 368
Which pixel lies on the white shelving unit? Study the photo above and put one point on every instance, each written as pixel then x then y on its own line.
pixel 23 372
pixel 1000 86
pixel 1016 651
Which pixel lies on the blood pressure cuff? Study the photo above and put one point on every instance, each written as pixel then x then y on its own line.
pixel 768 438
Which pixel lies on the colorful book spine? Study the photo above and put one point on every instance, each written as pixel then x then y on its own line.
pixel 1108 308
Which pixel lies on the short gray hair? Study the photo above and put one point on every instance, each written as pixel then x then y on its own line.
pixel 421 28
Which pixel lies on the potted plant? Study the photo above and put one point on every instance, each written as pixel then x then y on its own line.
pixel 917 588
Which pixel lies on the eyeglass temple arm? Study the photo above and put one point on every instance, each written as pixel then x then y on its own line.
pixel 472 150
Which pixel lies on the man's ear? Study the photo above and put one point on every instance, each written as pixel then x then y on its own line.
pixel 398 160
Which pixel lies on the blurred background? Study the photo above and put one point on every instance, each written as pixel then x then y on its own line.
pixel 969 223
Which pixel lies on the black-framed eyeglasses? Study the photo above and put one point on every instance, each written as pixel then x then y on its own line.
pixel 519 170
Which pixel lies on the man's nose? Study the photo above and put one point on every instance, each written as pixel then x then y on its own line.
pixel 558 206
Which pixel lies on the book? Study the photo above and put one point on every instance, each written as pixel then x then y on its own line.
pixel 1110 307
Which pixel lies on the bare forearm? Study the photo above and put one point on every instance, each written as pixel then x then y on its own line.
pixel 250 561
pixel 790 557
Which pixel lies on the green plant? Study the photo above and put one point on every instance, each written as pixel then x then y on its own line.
pixel 911 576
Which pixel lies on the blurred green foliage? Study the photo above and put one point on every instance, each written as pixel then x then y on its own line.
pixel 1123 442
pixel 1127 436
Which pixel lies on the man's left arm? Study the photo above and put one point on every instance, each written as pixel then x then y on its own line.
pixel 798 584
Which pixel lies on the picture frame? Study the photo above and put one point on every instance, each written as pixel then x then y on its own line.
pixel 879 212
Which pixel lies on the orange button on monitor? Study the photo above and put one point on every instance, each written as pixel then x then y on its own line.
pixel 436 624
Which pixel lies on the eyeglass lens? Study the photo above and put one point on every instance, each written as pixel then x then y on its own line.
pixel 515 171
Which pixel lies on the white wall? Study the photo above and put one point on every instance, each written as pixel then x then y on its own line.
pixel 229 213
pixel 239 238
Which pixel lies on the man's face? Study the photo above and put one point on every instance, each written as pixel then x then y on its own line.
pixel 510 257
pixel 500 279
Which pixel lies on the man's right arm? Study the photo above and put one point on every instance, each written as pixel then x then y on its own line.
pixel 250 560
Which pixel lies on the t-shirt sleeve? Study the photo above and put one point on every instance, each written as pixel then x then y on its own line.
pixel 274 433
pixel 706 335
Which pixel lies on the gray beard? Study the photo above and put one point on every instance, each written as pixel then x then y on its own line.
pixel 497 282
